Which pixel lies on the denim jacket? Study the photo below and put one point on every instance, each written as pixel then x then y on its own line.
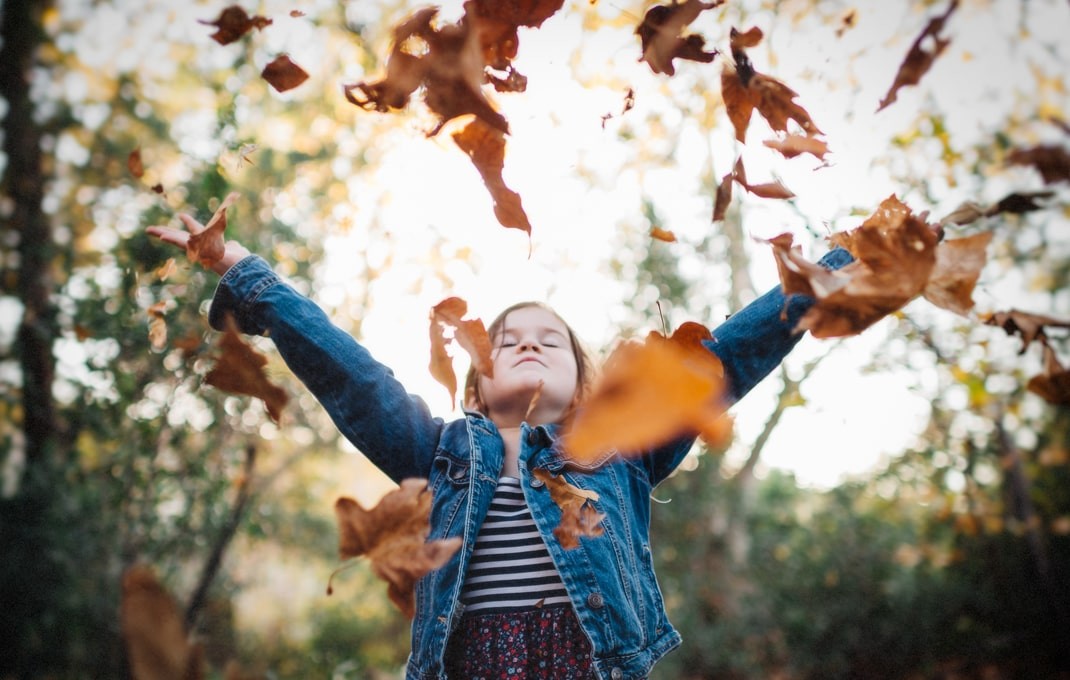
pixel 610 579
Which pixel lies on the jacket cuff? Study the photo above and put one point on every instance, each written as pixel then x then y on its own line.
pixel 237 292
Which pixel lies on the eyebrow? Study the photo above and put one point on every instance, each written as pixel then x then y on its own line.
pixel 542 330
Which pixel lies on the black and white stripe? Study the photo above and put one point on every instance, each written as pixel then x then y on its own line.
pixel 510 569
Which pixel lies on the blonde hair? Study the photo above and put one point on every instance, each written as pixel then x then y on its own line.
pixel 473 399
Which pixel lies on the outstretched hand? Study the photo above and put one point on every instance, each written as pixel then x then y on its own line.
pixel 233 251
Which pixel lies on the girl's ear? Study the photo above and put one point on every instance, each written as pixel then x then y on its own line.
pixel 473 401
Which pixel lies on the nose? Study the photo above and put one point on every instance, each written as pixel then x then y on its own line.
pixel 528 345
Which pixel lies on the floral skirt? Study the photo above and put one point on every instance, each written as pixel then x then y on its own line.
pixel 543 643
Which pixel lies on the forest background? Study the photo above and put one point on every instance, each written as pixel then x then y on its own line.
pixel 892 505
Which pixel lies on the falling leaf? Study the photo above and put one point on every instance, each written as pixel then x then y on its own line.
pixel 157 188
pixel 233 23
pixel 534 399
pixel 579 519
pixel 485 146
pixel 393 536
pixel 282 74
pixel 894 251
pixel 764 190
pixel 451 70
pixel 793 145
pixel 1053 385
pixel 659 35
pixel 847 21
pixel 723 198
pixel 744 90
pixel 498 23
pixel 958 266
pixel 134 164
pixel 918 60
pixel 208 246
pixel 1028 326
pixel 296 13
pixel 158 324
pixel 157 645
pixel 244 153
pixel 660 234
pixel 239 369
pixel 470 334
pixel 1052 162
pixel 649 393
pixel 165 270
pixel 1016 203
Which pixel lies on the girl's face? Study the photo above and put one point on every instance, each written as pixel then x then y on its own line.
pixel 532 349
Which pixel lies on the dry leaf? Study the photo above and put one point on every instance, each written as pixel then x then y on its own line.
pixel 393 536
pixel 661 39
pixel 470 334
pixel 158 325
pixel 918 61
pixel 793 145
pixel 233 23
pixel 207 246
pixel 1028 326
pixel 723 198
pixel 134 164
pixel 1053 385
pixel 1052 162
pixel 579 519
pixel 648 394
pixel 283 74
pixel 239 369
pixel 166 270
pixel 157 645
pixel 485 146
pixel 764 190
pixel 958 266
pixel 498 23
pixel 744 89
pixel 894 251
pixel 660 234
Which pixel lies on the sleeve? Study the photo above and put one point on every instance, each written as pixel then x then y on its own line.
pixel 367 403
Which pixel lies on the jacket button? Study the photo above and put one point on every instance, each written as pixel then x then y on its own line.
pixel 536 482
pixel 596 602
pixel 616 674
pixel 533 438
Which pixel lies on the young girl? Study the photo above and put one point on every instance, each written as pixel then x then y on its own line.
pixel 511 602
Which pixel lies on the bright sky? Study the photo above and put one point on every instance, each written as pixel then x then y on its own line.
pixel 851 420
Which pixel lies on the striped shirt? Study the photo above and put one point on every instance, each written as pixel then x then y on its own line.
pixel 511 569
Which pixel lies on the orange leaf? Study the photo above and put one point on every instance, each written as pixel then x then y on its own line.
pixel 470 334
pixel 578 518
pixel 662 235
pixel 393 536
pixel 157 645
pixel 659 34
pixel 282 74
pixel 498 23
pixel 233 23
pixel 648 394
pixel 239 369
pixel 207 246
pixel 485 146
pixel 895 253
pixel 793 145
pixel 723 198
pixel 764 190
pixel 158 325
pixel 958 266
pixel 918 61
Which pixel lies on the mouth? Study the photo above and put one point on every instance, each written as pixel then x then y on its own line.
pixel 526 360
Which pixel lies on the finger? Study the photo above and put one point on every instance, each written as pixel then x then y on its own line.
pixel 175 237
pixel 193 225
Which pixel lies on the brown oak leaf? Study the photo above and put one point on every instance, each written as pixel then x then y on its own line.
pixel 649 393
pixel 1052 162
pixel 283 74
pixel 157 645
pixel 134 163
pixel 498 23
pixel 239 369
pixel 919 60
pixel 744 90
pixel 579 519
pixel 794 145
pixel 723 198
pixel 661 39
pixel 207 245
pixel 764 190
pixel 393 536
pixel 470 334
pixel 958 266
pixel 233 23
pixel 485 146
pixel 158 324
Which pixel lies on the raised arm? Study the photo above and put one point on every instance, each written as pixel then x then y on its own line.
pixel 753 341
pixel 362 396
